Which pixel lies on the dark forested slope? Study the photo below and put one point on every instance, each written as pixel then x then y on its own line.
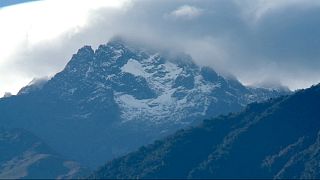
pixel 279 138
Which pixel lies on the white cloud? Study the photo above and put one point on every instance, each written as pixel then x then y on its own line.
pixel 185 12
pixel 27 26
pixel 254 10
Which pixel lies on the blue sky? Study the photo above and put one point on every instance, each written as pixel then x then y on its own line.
pixel 12 2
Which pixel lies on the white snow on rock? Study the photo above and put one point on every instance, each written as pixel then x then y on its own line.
pixel 172 101
pixel 165 107
pixel 134 67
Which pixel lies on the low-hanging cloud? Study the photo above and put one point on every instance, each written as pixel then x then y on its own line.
pixel 258 41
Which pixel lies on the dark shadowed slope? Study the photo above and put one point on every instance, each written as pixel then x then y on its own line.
pixel 279 138
pixel 23 155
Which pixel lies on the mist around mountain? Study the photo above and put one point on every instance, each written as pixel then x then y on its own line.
pixel 109 101
pixel 279 138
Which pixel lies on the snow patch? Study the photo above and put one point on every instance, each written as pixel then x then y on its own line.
pixel 165 107
pixel 135 68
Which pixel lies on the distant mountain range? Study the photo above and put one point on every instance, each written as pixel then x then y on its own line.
pixel 279 138
pixel 109 101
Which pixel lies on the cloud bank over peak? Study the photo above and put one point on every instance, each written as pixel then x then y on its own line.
pixel 255 40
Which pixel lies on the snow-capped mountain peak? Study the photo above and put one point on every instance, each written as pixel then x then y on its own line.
pixel 111 100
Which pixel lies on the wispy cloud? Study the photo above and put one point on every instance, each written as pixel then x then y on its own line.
pixel 185 12
pixel 38 37
pixel 255 10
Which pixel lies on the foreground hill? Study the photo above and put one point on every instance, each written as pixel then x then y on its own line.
pixel 279 138
pixel 110 101
pixel 23 155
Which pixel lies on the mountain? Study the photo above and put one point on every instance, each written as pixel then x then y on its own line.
pixel 279 138
pixel 23 155
pixel 109 101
